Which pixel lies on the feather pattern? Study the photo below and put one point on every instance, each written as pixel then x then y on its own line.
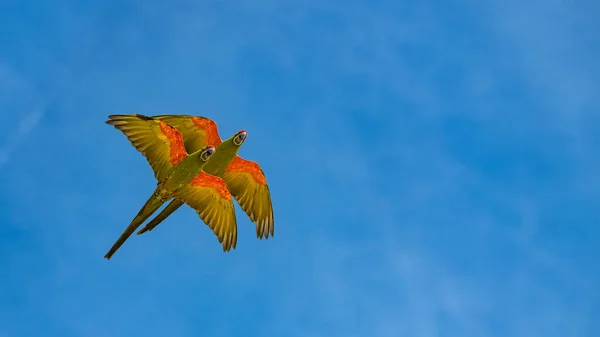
pixel 209 196
pixel 247 183
pixel 159 142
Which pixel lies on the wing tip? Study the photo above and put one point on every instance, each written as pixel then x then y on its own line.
pixel 230 242
pixel 264 227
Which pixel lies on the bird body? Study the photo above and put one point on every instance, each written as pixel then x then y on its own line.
pixel 179 176
pixel 245 179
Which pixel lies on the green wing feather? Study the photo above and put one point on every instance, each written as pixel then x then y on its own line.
pixel 247 183
pixel 209 197
pixel 159 142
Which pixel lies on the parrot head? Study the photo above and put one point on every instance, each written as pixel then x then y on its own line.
pixel 240 137
pixel 207 152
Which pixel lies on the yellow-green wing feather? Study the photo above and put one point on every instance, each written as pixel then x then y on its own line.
pixel 159 142
pixel 209 196
pixel 247 183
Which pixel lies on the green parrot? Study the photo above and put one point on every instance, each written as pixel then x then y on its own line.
pixel 244 178
pixel 179 176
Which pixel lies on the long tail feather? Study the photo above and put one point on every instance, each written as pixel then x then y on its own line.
pixel 151 205
pixel 172 207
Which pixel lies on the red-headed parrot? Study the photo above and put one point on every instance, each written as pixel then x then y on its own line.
pixel 244 178
pixel 179 176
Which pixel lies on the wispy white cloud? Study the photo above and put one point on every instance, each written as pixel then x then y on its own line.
pixel 26 125
pixel 16 123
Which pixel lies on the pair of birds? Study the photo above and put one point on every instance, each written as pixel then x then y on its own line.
pixel 194 166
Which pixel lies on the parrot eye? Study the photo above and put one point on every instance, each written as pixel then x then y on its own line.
pixel 240 138
pixel 206 154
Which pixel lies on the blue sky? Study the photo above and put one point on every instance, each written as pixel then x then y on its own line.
pixel 433 168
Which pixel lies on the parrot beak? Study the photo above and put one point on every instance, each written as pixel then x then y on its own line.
pixel 206 154
pixel 240 137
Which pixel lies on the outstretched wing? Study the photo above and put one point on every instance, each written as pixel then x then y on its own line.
pixel 248 184
pixel 159 142
pixel 197 131
pixel 209 196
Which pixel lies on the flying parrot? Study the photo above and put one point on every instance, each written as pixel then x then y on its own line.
pixel 244 178
pixel 179 176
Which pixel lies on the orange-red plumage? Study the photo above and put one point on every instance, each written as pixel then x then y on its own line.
pixel 176 148
pixel 247 166
pixel 210 128
pixel 206 180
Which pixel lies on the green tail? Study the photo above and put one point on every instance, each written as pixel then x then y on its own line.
pixel 172 207
pixel 145 212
